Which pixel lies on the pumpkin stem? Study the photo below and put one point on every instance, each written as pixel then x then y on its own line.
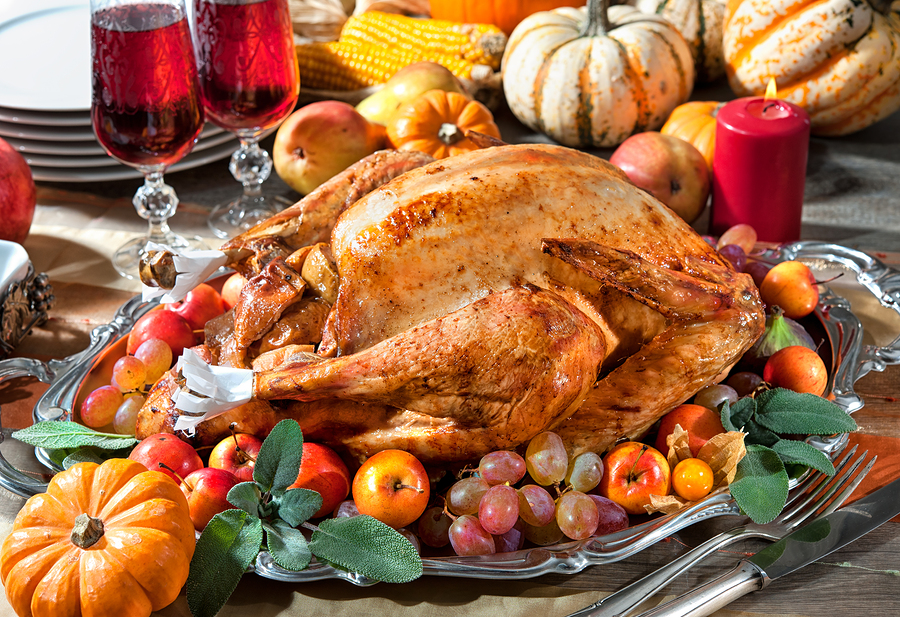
pixel 449 133
pixel 87 531
pixel 598 19
pixel 882 6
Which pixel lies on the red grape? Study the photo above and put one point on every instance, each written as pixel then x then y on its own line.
pixel 125 419
pixel 99 408
pixel 468 537
pixel 501 467
pixel 499 509
pixel 611 516
pixel 546 458
pixel 734 254
pixel 129 374
pixel 545 534
pixel 585 472
pixel 713 396
pixel 576 515
pixel 434 527
pixel 741 235
pixel 157 358
pixel 465 495
pixel 536 506
pixel 744 382
pixel 512 540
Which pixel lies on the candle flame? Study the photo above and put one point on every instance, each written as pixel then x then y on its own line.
pixel 771 90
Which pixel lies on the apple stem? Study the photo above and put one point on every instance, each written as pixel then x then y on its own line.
pixel 177 475
pixel 398 485
pixel 638 458
pixel 243 455
pixel 836 276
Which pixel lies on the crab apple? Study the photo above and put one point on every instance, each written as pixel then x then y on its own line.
pixel 323 471
pixel 393 487
pixel 634 471
pixel 179 457
pixel 236 454
pixel 701 424
pixel 231 289
pixel 201 304
pixel 206 491
pixel 797 368
pixel 792 286
pixel 166 325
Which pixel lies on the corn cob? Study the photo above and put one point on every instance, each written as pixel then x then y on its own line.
pixel 477 43
pixel 342 65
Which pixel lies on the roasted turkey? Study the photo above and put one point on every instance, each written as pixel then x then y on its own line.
pixel 480 300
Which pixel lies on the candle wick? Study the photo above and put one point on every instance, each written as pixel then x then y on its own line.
pixel 768 105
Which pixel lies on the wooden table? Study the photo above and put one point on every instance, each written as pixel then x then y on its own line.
pixel 860 580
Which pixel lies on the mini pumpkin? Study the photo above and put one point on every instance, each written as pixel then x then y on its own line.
pixel 695 122
pixel 700 22
pixel 839 60
pixel 436 123
pixel 104 540
pixel 505 14
pixel 594 76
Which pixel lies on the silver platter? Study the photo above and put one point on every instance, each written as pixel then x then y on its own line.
pixel 851 359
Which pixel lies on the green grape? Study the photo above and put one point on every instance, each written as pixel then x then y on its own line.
pixel 129 374
pixel 127 413
pixel 157 358
pixel 544 535
pixel 99 408
pixel 546 458
pixel 585 472
pixel 536 505
pixel 577 515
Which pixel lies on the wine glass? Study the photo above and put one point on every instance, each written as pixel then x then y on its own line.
pixel 249 83
pixel 145 106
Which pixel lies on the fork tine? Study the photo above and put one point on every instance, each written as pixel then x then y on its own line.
pixel 838 501
pixel 833 485
pixel 811 481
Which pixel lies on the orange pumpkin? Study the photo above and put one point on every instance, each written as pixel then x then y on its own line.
pixel 505 14
pixel 695 122
pixel 436 122
pixel 111 539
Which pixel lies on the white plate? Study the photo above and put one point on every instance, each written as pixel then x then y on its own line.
pixel 46 47
pixel 71 133
pixel 60 148
pixel 45 118
pixel 123 172
pixel 101 159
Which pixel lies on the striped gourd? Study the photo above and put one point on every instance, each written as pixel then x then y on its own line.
pixel 594 76
pixel 700 23
pixel 838 59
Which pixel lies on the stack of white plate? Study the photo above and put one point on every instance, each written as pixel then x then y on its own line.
pixel 45 96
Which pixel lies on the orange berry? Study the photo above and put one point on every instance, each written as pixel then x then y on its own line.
pixel 692 479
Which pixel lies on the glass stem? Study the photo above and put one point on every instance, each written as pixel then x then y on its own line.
pixel 156 202
pixel 251 165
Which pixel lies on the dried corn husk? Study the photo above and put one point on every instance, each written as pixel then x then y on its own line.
pixel 722 453
pixel 406 7
pixel 322 20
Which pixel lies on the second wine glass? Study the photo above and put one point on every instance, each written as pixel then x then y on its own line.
pixel 249 83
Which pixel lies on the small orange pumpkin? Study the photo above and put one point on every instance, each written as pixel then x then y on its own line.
pixel 695 123
pixel 104 540
pixel 436 122
pixel 505 14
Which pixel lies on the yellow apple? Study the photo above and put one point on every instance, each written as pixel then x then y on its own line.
pixel 405 85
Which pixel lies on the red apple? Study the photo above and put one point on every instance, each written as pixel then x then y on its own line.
pixel 700 423
pixel 236 454
pixel 791 286
pixel 634 471
pixel 179 457
pixel 670 169
pixel 201 304
pixel 206 491
pixel 320 140
pixel 231 290
pixel 393 487
pixel 323 471
pixel 18 195
pixel 166 325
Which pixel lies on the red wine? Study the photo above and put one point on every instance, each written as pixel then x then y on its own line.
pixel 145 104
pixel 245 54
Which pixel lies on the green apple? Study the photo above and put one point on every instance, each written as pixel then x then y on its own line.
pixel 407 84
pixel 320 140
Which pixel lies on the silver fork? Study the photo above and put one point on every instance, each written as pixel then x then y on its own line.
pixel 810 498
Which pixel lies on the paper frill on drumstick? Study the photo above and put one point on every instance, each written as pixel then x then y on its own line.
pixel 193 268
pixel 212 390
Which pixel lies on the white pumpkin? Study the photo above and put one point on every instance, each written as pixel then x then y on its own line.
pixel 595 75
pixel 700 23
pixel 837 59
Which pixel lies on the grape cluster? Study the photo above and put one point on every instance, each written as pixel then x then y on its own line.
pixel 542 497
pixel 118 403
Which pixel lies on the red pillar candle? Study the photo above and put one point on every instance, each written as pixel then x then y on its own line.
pixel 759 167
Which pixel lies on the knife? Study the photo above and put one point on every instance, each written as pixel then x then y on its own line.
pixel 800 548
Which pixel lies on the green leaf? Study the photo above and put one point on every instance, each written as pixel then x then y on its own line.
pixel 759 435
pixel 92 455
pixel 278 461
pixel 298 505
pixel 228 544
pixel 245 496
pixel 735 417
pixel 55 435
pixel 802 453
pixel 760 486
pixel 792 413
pixel 366 545
pixel 287 546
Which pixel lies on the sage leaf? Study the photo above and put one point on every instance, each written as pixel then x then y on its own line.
pixel 760 487
pixel 759 434
pixel 245 496
pixel 735 417
pixel 227 546
pixel 278 461
pixel 298 505
pixel 92 455
pixel 287 545
pixel 791 413
pixel 366 545
pixel 57 435
pixel 802 453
